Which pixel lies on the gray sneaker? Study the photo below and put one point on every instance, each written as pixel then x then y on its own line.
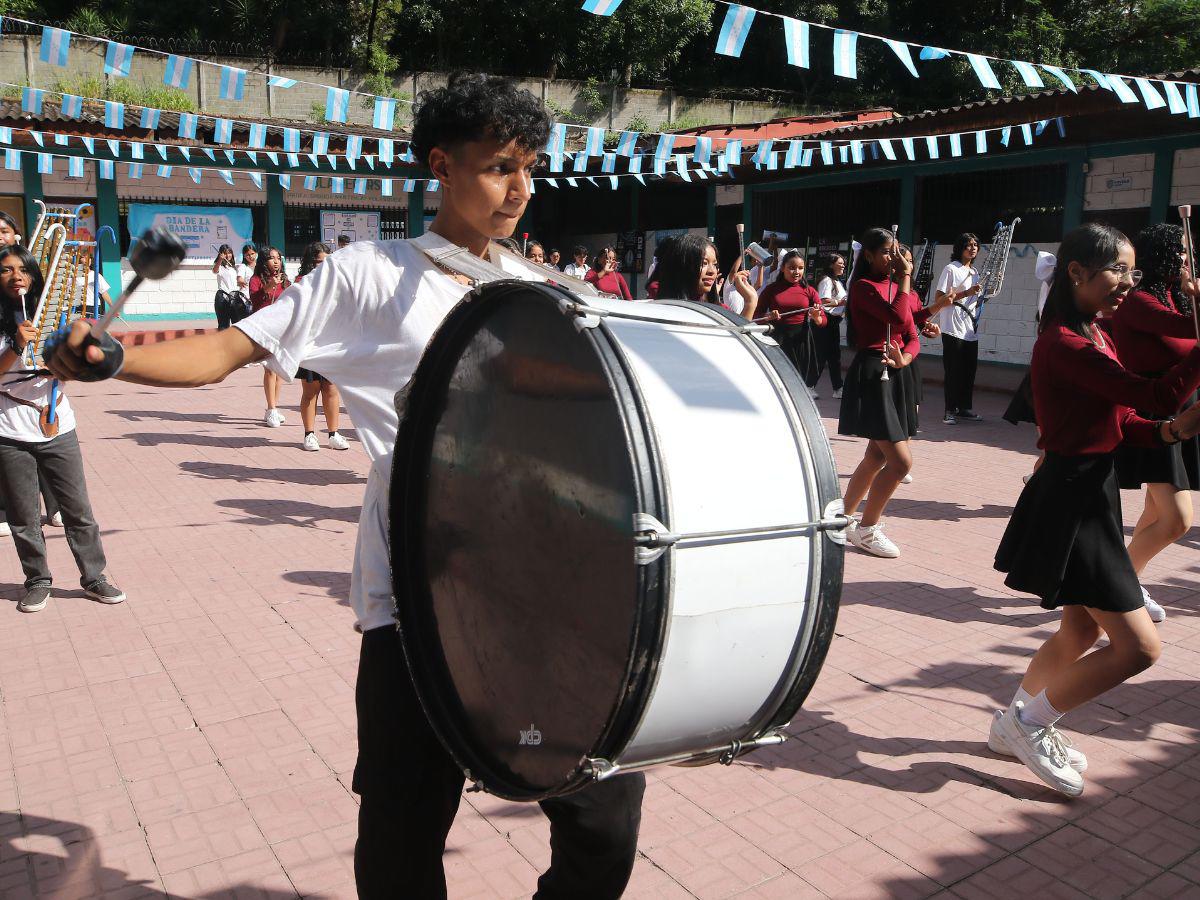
pixel 35 599
pixel 105 591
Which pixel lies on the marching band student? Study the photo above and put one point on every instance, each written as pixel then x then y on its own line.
pixel 1064 542
pixel 687 270
pixel 227 286
pixel 312 383
pixel 32 448
pixel 883 412
pixel 1152 335
pixel 960 339
pixel 796 310
pixel 605 277
pixel 923 319
pixel 833 296
pixel 579 268
pixel 363 318
pixel 267 283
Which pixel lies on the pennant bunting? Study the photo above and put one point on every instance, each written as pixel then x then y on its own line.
pixel 888 150
pixel 196 174
pixel 386 151
pixel 601 7
pixel 981 141
pixel 114 115
pixel 162 150
pixel 956 145
pixel 681 166
pixel 384 117
pixel 928 53
pixel 337 185
pixel 1027 134
pixel 164 172
pixel 137 150
pixel 826 153
pixel 90 143
pixel 931 145
pixel 1005 134
pixel 117 59
pixel 1175 101
pixel 32 99
pixel 257 178
pixel 627 143
pixel 233 83
pixel 703 151
pixel 581 162
pixel 1063 77
pixel 791 159
pixel 734 30
pixel 187 126
pixel 360 185
pixel 845 53
pixel 666 144
pixel 56 46
pixel 178 73
pixel 910 147
pixel 226 176
pixel 310 182
pixel 795 37
pixel 385 187
pixel 904 54
pixel 135 171
pixel 222 131
pixel 114 146
pixel 106 169
pixel 45 164
pixel 1150 95
pixel 594 142
pixel 856 152
pixel 983 71
pixel 75 167
pixel 291 140
pixel 733 153
pixel 1123 91
pixel 280 82
pixel 1193 100
pixel 320 143
pixel 150 119
pixel 12 160
pixel 353 148
pixel 231 156
pixel 209 152
pixel 72 106
pixel 337 104
pixel 410 185
pixel 258 136
pixel 609 164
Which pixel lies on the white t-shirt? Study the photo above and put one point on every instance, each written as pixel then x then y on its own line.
pixel 953 320
pixel 833 295
pixel 227 277
pixel 363 319
pixel 731 299
pixel 19 422
pixel 576 271
pixel 244 274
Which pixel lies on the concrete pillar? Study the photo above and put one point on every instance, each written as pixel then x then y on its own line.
pixel 275 231
pixel 32 188
pixel 416 211
pixel 107 213
pixel 1160 190
pixel 1074 190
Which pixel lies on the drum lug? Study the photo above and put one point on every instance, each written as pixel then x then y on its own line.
pixel 834 521
pixel 600 769
pixel 582 320
pixel 652 538
pixel 764 338
pixel 475 787
pixel 737 748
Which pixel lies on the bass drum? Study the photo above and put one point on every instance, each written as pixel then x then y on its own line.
pixel 587 580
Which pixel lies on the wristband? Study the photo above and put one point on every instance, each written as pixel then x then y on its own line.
pixel 108 367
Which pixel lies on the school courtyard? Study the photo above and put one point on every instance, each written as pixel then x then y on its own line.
pixel 198 740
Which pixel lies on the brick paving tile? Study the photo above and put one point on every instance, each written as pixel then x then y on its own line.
pixel 200 738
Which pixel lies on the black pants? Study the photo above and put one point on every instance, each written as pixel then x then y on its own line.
pixel 58 463
pixel 221 307
pixel 960 359
pixel 410 790
pixel 48 498
pixel 829 351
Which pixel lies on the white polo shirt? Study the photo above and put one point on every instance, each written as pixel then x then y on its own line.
pixel 953 320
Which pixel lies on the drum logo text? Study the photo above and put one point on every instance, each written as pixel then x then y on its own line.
pixel 532 737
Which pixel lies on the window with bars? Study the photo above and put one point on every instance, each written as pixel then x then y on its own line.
pixel 975 201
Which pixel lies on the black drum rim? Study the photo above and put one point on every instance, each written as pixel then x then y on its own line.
pixel 407 508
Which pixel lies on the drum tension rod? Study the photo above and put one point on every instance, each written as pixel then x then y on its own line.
pixel 591 316
pixel 649 532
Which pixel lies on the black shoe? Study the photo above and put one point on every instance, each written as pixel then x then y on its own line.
pixel 104 591
pixel 969 416
pixel 35 599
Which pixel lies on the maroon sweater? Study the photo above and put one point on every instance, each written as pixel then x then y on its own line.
pixel 612 283
pixel 920 312
pixel 790 301
pixel 1151 337
pixel 871 312
pixel 1085 398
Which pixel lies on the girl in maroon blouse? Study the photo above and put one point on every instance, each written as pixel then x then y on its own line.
pixel 884 412
pixel 1064 541
pixel 687 270
pixel 1152 334
pixel 605 277
pixel 267 283
pixel 796 309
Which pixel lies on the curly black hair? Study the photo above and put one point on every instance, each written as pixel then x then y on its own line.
pixel 473 107
pixel 1158 249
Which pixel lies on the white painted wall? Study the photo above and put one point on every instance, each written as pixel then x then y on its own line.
pixel 1185 181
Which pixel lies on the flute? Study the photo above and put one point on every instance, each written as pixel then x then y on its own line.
pixel 1185 215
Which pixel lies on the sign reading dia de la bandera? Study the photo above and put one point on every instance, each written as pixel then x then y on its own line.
pixel 203 229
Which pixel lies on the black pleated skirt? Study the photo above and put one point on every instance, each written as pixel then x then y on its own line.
pixel 1065 543
pixel 1177 464
pixel 799 342
pixel 916 385
pixel 873 408
pixel 1020 408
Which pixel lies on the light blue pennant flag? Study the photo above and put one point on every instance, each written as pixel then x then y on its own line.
pixel 772 161
pixel 594 143
pixel 370 161
pixel 114 115
pixel 186 151
pixel 90 143
pixel 734 30
pixel 187 126
pixel 233 83
pixel 733 153
pixel 310 182
pixel 1029 73
pixel 178 73
pixel 337 104
pixel 1062 129
pixel 257 178
pixel 983 71
pixel 6 135
pixel 845 53
pixel 62 140
pixel 45 164
pixel 703 151
pixel 106 169
pixel 660 165
pixel 795 36
pixel 32 100
pixel 931 145
pixel 557 142
pixel 279 82
pixel 410 185
pixel 1123 91
pixel 209 152
pixel 928 53
pixel 1040 127
pixel 666 144
pixel 37 138
pixel 910 147
pixel 72 106
pixel 553 182
pixel 258 136
pixel 56 46
pixel 252 156
pixel 791 159
pixel 1100 78
pixel 75 167
pixel 135 171
pixel 627 143
pixel 114 146
pixel 137 150
pixel 150 119
pixel 856 152
pixel 385 187
pixel 1063 77
pixel 337 185
pixel 291 140
pixel 956 145
pixel 222 131
pixel 1193 100
pixel 1150 94
pixel 601 7
pixel 386 151
pixel 635 164
pixel 610 163
pixel 888 150
pixel 360 185
pixel 981 141
pixel 293 159
pixel 432 185
pixel 722 164
pixel 1175 102
pixel 273 157
pixel 117 59
pixel 761 151
pixel 681 166
pixel 843 153
pixel 12 160
pixel 312 157
pixel 700 174
pixel 226 176
pixel 826 153
pixel 384 117
pixel 904 54
pixel 164 172
pixel 1005 134
pixel 612 182
pixel 353 148
pixel 1027 133
pixel 231 156
pixel 320 143
pixel 162 150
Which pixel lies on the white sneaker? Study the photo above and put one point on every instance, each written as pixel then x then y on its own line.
pixel 311 442
pixel 1042 750
pixel 998 744
pixel 5 530
pixel 274 418
pixel 837 395
pixel 55 520
pixel 907 479
pixel 337 442
pixel 1157 613
pixel 871 539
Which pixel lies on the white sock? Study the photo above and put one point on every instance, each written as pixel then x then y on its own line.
pixel 1022 696
pixel 1039 713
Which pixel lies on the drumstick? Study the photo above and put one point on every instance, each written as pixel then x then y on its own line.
pixel 156 255
pixel 525 243
pixel 1185 215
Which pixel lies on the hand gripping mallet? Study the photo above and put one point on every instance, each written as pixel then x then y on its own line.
pixel 156 255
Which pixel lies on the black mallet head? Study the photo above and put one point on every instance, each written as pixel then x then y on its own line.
pixel 157 254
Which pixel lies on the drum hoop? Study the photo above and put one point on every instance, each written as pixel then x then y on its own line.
pixel 827 559
pixel 407 560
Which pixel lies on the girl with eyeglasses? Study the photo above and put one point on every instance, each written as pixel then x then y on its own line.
pixel 1153 330
pixel 1064 542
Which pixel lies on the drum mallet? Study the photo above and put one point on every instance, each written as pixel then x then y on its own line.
pixel 1185 216
pixel 156 255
